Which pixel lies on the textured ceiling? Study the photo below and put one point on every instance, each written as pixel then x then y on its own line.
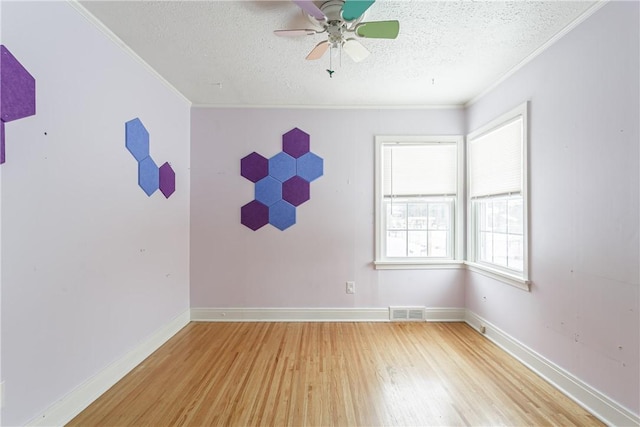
pixel 225 52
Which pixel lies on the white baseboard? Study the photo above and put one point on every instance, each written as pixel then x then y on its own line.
pixel 290 314
pixel 315 314
pixel 601 406
pixel 445 314
pixel 77 400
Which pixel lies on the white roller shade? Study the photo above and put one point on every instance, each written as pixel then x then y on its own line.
pixel 495 161
pixel 419 169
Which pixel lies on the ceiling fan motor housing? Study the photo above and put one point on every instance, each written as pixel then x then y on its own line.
pixel 334 24
pixel 332 9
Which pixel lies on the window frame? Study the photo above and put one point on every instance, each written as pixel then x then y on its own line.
pixel 457 218
pixel 506 275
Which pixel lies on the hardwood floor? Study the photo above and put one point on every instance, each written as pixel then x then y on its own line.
pixel 331 374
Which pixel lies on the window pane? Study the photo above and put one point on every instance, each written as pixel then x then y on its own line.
pixel 516 252
pixel 516 220
pixel 485 247
pixel 417 243
pixel 438 243
pixel 418 216
pixel 396 216
pixel 485 218
pixel 500 249
pixel 439 216
pixel 396 243
pixel 500 216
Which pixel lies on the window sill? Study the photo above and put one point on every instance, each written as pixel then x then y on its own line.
pixel 501 276
pixel 418 265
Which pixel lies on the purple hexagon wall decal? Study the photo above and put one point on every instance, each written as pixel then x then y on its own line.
pixel 295 190
pixel 309 167
pixel 254 215
pixel 254 167
pixel 282 215
pixel 295 143
pixel 17 93
pixel 268 190
pixel 282 166
pixel 148 176
pixel 167 180
pixel 136 139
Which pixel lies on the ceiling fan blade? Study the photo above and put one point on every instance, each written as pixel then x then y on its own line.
pixel 378 29
pixel 318 51
pixel 355 50
pixel 353 9
pixel 289 33
pixel 311 9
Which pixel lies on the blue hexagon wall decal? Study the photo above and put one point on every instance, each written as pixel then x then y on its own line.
pixel 309 167
pixel 148 175
pixel 137 139
pixel 282 166
pixel 282 215
pixel 268 190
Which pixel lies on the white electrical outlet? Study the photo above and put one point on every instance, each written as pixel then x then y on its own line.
pixel 351 287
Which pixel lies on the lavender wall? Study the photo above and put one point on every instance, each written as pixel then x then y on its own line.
pixel 583 309
pixel 333 240
pixel 91 266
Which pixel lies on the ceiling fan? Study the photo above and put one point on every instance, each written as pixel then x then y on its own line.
pixel 342 20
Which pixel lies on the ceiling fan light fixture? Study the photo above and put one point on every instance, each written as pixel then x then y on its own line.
pixel 356 51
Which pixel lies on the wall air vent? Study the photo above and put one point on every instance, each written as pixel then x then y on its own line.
pixel 407 314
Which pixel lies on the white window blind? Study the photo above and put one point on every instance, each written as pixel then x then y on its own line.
pixel 419 169
pixel 495 161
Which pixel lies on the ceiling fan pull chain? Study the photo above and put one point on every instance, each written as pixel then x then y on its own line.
pixel 330 69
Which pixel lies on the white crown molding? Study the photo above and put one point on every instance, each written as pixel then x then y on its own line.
pixel 604 408
pixel 331 107
pixel 64 410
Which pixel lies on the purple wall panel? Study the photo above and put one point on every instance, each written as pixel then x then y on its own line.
pixel 254 215
pixel 167 180
pixel 295 142
pixel 17 93
pixel 254 167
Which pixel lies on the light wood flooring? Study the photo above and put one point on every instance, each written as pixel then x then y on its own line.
pixel 331 374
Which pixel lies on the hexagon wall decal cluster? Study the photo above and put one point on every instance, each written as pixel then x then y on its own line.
pixel 17 93
pixel 282 182
pixel 150 176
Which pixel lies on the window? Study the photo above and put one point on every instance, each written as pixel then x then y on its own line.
pixel 497 197
pixel 417 200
